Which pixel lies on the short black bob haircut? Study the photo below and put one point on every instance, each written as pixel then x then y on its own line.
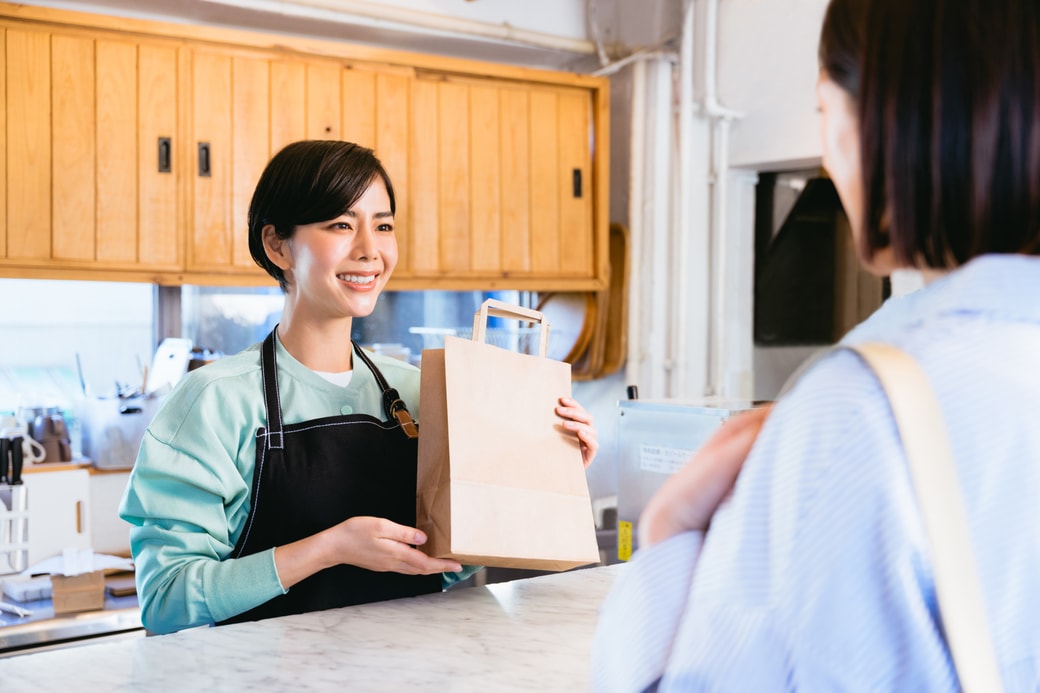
pixel 307 182
pixel 947 93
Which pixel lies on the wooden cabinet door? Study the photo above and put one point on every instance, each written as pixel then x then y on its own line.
pixel 501 183
pixel 28 96
pixel 80 159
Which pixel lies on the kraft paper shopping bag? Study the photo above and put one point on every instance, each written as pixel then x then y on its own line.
pixel 500 482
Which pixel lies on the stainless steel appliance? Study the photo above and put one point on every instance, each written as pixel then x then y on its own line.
pixel 655 439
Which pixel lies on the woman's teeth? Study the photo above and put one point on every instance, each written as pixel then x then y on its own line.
pixel 356 278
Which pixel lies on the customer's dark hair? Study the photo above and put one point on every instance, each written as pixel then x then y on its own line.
pixel 947 94
pixel 307 182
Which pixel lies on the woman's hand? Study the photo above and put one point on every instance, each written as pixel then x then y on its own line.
pixel 579 422
pixel 688 499
pixel 374 543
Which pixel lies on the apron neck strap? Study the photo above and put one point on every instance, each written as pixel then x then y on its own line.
pixel 269 370
pixel 392 402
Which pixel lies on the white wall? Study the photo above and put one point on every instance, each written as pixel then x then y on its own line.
pixel 767 70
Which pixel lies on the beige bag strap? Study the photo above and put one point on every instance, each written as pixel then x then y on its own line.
pixel 499 309
pixel 925 440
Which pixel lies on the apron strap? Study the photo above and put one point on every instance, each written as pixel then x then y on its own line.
pixel 393 405
pixel 269 370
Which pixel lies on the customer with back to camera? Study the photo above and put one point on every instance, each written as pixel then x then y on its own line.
pixel 282 480
pixel 815 573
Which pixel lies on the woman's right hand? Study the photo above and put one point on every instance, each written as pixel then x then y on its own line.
pixel 688 499
pixel 374 543
pixel 381 545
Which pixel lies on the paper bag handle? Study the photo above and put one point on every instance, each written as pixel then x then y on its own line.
pixel 498 309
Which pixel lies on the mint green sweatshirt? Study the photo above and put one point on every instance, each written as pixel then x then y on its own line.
pixel 189 492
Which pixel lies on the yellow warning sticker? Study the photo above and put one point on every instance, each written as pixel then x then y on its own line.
pixel 624 540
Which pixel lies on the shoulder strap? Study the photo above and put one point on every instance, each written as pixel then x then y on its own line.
pixel 925 440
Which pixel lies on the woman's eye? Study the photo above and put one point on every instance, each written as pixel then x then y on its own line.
pixel 386 227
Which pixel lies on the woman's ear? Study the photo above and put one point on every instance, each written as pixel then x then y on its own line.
pixel 277 249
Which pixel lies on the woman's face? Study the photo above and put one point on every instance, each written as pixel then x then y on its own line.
pixel 839 132
pixel 338 268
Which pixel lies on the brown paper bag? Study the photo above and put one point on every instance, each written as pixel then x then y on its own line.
pixel 500 482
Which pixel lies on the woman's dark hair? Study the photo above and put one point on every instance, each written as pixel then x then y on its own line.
pixel 307 182
pixel 947 93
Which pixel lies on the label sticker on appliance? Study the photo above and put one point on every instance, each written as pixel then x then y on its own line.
pixel 656 458
pixel 624 543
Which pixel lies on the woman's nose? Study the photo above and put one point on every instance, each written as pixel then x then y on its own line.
pixel 365 247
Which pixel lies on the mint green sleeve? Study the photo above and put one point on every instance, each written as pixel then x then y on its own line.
pixel 180 540
pixel 450 579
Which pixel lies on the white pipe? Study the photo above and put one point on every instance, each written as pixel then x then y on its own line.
pixel 712 107
pixel 345 9
pixel 721 117
pixel 684 222
pixel 717 290
pixel 638 55
pixel 636 329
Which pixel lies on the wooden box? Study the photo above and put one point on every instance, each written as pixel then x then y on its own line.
pixel 72 593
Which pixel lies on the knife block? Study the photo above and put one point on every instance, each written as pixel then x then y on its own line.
pixel 14 529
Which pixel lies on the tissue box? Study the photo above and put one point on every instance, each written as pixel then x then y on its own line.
pixel 84 592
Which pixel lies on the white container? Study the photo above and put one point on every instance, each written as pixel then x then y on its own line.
pixel 113 429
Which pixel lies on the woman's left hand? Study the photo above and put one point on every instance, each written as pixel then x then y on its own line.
pixel 579 422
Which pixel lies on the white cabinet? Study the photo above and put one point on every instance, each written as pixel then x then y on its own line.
pixel 109 533
pixel 59 516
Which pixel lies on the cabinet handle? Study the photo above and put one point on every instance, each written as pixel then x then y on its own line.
pixel 79 517
pixel 204 165
pixel 164 155
pixel 576 182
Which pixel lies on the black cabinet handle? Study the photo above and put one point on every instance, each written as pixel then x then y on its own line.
pixel 204 163
pixel 165 165
pixel 576 182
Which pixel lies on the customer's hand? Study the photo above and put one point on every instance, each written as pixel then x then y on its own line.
pixel 690 497
pixel 579 422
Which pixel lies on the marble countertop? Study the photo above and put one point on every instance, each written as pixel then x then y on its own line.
pixel 531 634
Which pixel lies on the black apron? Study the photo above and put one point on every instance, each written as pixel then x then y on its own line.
pixel 312 475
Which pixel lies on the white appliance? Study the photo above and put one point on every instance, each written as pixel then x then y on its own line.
pixel 655 439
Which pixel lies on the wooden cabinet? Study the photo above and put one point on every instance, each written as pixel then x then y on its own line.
pixel 86 118
pixel 501 183
pixel 129 150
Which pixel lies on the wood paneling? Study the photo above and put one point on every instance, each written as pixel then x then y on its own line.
pixel 359 107
pixel 575 211
pixel 515 160
pixel 424 198
pixel 454 177
pixel 251 115
pixel 29 144
pixel 485 180
pixel 73 154
pixel 545 182
pixel 323 102
pixel 211 194
pixel 116 226
pixel 159 225
pixel 288 94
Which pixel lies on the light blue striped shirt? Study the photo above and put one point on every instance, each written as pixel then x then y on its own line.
pixel 815 573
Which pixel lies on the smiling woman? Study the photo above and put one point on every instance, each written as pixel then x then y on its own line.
pixel 283 477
